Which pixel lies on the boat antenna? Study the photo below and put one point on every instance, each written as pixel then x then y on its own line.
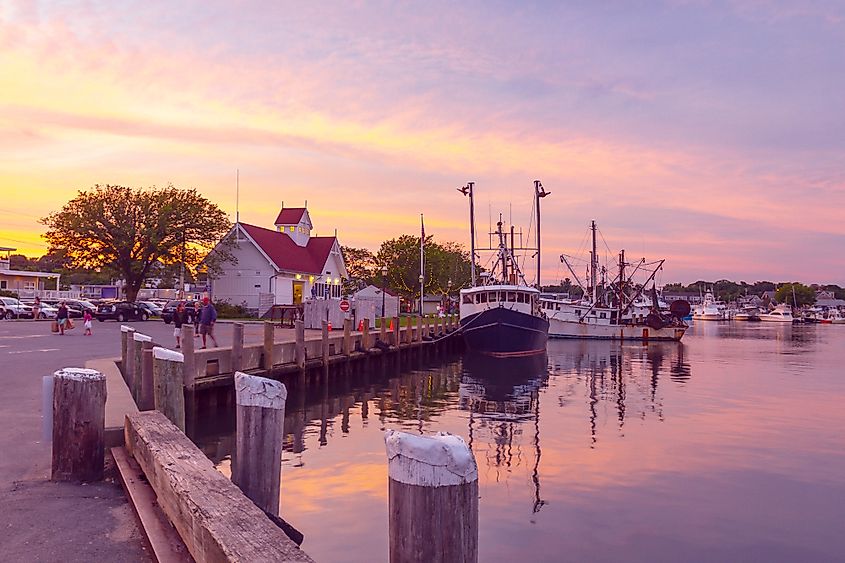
pixel 539 193
pixel 593 264
pixel 467 190
pixel 237 205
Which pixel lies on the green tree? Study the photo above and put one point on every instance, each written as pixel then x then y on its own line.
pixel 127 230
pixel 796 294
pixel 443 263
pixel 361 266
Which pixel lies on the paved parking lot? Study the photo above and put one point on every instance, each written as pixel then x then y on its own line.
pixel 44 521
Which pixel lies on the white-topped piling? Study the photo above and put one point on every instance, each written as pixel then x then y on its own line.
pixel 125 352
pixel 168 385
pixel 257 464
pixel 433 498
pixel 79 415
pixel 140 342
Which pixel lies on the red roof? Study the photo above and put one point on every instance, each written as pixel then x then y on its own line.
pixel 290 216
pixel 289 256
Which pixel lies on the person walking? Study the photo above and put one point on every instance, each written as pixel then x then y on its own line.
pixel 197 312
pixel 208 316
pixel 36 308
pixel 62 317
pixel 180 317
pixel 87 318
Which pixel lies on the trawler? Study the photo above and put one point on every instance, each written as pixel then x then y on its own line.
pixel 615 310
pixel 500 313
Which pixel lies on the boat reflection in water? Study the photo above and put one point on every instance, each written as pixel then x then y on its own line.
pixel 502 396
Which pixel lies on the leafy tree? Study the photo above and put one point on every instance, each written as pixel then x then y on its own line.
pixel 443 263
pixel 802 294
pixel 360 265
pixel 127 230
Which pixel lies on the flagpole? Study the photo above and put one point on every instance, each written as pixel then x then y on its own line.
pixel 422 261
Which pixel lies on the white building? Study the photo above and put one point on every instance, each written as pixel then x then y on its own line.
pixel 374 295
pixel 281 266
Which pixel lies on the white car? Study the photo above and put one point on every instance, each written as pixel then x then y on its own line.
pixel 45 310
pixel 15 309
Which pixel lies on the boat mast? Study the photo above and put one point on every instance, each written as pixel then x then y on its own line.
pixel 539 192
pixel 467 190
pixel 503 250
pixel 593 264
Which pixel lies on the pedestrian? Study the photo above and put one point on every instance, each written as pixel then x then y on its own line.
pixel 87 318
pixel 197 312
pixel 208 317
pixel 179 318
pixel 62 317
pixel 36 308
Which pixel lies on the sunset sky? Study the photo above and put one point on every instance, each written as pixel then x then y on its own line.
pixel 708 133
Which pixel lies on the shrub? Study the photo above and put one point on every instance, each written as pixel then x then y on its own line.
pixel 226 310
pixel 8 293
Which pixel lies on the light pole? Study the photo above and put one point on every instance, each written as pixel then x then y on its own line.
pixel 422 293
pixel 448 296
pixel 383 279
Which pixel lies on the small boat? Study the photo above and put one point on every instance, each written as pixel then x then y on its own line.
pixel 836 317
pixel 709 310
pixel 780 314
pixel 748 313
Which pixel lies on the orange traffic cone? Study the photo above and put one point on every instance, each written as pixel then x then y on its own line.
pixel 391 325
pixel 361 326
pixel 330 326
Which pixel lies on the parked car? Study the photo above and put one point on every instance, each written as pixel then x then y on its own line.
pixel 154 309
pixel 170 308
pixel 14 309
pixel 121 311
pixel 81 305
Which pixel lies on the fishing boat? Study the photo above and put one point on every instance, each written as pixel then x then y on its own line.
pixel 500 313
pixel 836 317
pixel 615 309
pixel 780 314
pixel 709 309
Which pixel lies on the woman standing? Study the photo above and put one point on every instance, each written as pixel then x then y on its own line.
pixel 87 318
pixel 62 317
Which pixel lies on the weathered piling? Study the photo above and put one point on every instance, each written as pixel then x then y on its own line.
pixel 366 343
pixel 383 330
pixel 394 333
pixel 433 498
pixel 324 345
pixel 146 400
pixel 169 386
pixel 269 341
pixel 79 415
pixel 419 329
pixel 347 337
pixel 125 338
pixel 257 465
pixel 299 350
pixel 189 365
pixel 138 342
pixel 237 347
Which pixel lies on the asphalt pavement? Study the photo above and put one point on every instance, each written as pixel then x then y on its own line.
pixel 45 521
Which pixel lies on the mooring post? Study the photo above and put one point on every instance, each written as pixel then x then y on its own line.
pixel 146 401
pixel 419 334
pixel 324 345
pixel 189 366
pixel 394 334
pixel 138 341
pixel 365 336
pixel 433 498
pixel 79 425
pixel 125 339
pixel 169 386
pixel 269 340
pixel 299 351
pixel 257 467
pixel 347 337
pixel 237 347
pixel 383 330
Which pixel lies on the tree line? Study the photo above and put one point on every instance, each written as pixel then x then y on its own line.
pixel 785 292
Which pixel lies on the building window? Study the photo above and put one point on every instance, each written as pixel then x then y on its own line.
pixel 292 228
pixel 29 286
pixel 4 284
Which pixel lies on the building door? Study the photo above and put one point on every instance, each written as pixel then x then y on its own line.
pixel 297 292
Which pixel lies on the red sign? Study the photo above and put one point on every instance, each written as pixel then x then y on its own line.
pixel 344 305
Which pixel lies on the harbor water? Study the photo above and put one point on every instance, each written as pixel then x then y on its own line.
pixel 729 446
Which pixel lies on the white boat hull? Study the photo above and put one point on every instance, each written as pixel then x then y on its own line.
pixel 776 319
pixel 708 317
pixel 570 329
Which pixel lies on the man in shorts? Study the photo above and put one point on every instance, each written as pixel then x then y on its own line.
pixel 208 316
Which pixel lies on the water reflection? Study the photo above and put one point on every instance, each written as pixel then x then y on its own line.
pixel 717 431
